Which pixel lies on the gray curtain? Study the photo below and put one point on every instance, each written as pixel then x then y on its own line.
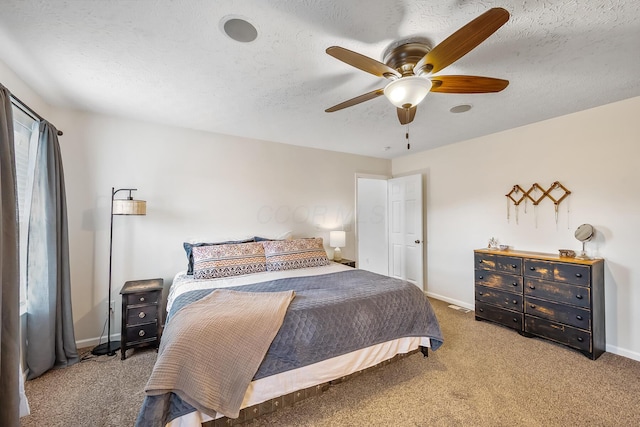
pixel 9 270
pixel 50 337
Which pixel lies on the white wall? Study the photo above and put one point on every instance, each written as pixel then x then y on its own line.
pixel 593 153
pixel 196 184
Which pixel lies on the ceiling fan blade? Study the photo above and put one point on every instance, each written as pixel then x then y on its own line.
pixel 467 84
pixel 462 41
pixel 406 115
pixel 357 100
pixel 362 62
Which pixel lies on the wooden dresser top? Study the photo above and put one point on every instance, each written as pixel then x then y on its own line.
pixel 538 255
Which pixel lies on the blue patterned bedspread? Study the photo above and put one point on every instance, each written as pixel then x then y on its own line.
pixel 331 315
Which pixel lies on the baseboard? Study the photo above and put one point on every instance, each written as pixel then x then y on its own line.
pixel 451 300
pixel 623 352
pixel 92 342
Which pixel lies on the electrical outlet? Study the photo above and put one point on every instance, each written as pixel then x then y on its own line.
pixel 112 306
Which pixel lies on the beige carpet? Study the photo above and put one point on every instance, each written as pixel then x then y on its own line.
pixel 484 375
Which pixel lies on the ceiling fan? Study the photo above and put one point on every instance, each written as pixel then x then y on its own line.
pixel 411 67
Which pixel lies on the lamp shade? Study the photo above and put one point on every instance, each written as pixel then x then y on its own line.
pixel 129 207
pixel 407 92
pixel 337 239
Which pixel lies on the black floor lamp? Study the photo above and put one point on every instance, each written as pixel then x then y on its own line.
pixel 127 206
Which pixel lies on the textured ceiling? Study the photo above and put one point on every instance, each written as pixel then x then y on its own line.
pixel 169 62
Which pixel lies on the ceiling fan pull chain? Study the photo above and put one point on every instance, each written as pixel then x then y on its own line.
pixel 407 137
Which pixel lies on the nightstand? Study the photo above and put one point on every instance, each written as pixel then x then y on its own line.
pixel 140 314
pixel 349 262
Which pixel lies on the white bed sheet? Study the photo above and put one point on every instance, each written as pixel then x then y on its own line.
pixel 308 376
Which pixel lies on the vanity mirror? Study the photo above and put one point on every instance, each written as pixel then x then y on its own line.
pixel 584 233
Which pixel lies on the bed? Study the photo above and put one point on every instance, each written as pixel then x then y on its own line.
pixel 335 321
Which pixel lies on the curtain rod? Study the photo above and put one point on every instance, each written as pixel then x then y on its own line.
pixel 28 110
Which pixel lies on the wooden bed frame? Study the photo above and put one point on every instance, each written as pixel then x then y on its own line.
pixel 251 412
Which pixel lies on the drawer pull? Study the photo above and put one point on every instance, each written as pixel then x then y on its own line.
pixel 514 284
pixel 141 299
pixel 579 296
pixel 532 268
pixel 578 275
pixel 531 287
pixel 480 277
pixel 580 339
pixel 480 261
pixel 480 293
pixel 515 319
pixel 532 305
pixel 142 315
pixel 141 333
pixel 579 317
pixel 514 266
pixel 515 301
pixel 481 310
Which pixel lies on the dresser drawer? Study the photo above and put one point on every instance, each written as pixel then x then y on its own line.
pixel 142 314
pixel 573 274
pixel 497 297
pixel 141 333
pixel 508 318
pixel 538 269
pixel 573 316
pixel 151 297
pixel 558 292
pixel 558 332
pixel 501 263
pixel 502 281
pixel 485 261
pixel 566 273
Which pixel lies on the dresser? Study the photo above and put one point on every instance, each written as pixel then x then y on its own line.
pixel 543 295
pixel 140 314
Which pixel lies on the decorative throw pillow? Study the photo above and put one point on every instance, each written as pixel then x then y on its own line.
pixel 188 248
pixel 296 253
pixel 212 262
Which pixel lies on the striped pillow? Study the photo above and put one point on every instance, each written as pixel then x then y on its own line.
pixel 211 262
pixel 292 254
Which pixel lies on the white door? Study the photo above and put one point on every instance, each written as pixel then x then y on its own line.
pixel 405 229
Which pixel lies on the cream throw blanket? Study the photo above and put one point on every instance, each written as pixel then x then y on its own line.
pixel 212 348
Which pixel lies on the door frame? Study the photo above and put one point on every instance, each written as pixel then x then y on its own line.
pixel 425 180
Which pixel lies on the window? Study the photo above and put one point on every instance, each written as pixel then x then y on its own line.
pixel 25 133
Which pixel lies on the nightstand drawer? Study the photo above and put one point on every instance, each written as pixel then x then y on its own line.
pixel 142 314
pixel 573 316
pixel 151 297
pixel 141 333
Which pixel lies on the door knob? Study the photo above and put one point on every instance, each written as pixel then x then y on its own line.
pixel 417 241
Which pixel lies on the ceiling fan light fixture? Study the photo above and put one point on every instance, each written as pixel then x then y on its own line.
pixel 407 92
